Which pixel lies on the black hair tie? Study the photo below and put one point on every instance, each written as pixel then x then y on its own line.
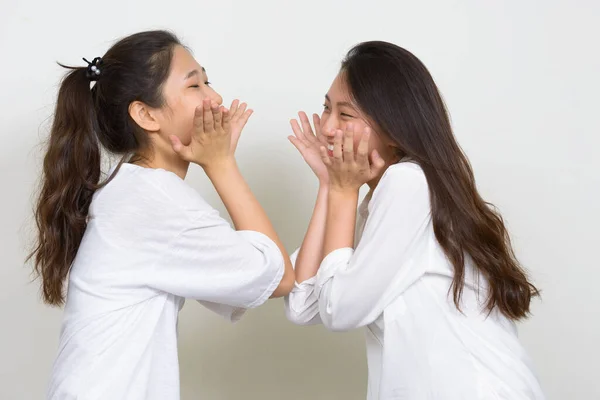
pixel 93 69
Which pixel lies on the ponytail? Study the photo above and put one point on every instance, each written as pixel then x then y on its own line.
pixel 71 172
pixel 86 121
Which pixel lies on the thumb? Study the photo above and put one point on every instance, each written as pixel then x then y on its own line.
pixel 377 163
pixel 181 150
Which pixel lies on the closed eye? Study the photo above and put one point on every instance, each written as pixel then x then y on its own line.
pixel 198 86
pixel 347 115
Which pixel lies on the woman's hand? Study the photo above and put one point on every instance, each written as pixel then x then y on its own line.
pixel 308 144
pixel 211 137
pixel 238 118
pixel 349 169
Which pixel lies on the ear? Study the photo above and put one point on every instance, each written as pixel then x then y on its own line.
pixel 144 116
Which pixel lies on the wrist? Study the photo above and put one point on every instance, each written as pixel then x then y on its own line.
pixel 343 191
pixel 220 167
pixel 323 182
pixel 323 192
pixel 343 194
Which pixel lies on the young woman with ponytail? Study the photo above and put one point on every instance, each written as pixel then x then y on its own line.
pixel 135 243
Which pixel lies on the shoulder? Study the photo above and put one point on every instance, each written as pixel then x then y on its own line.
pixel 402 194
pixel 178 191
pixel 158 186
pixel 402 179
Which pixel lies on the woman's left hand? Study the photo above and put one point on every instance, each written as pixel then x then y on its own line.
pixel 348 168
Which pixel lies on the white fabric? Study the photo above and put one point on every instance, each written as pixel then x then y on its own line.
pixel 151 241
pixel 396 284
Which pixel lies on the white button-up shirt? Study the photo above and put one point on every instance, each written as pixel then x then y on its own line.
pixel 396 283
pixel 151 241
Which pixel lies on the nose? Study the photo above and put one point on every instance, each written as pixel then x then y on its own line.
pixel 328 135
pixel 216 97
pixel 328 127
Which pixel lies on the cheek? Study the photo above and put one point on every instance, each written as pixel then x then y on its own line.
pixel 384 151
pixel 185 125
pixel 324 125
pixel 357 142
pixel 180 120
pixel 360 128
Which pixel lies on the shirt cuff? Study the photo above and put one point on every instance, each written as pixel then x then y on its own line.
pixel 330 265
pixel 301 305
pixel 274 262
pixel 231 314
pixel 306 285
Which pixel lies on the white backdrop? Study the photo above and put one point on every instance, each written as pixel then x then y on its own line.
pixel 521 82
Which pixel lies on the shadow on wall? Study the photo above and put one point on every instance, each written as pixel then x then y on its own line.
pixel 264 356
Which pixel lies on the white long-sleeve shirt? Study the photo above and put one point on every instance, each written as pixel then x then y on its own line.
pixel 396 283
pixel 151 241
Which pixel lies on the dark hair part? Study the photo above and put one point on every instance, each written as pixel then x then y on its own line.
pixel 399 95
pixel 85 121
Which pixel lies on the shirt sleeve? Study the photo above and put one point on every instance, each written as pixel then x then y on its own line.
pixel 231 314
pixel 212 262
pixel 302 305
pixel 354 286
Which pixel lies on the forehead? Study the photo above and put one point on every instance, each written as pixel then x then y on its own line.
pixel 183 63
pixel 338 90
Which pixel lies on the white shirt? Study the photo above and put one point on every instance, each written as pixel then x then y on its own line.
pixel 150 242
pixel 396 283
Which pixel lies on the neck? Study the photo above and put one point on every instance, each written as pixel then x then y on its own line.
pixel 374 182
pixel 170 162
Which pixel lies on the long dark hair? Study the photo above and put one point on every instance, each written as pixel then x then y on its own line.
pixel 399 95
pixel 88 118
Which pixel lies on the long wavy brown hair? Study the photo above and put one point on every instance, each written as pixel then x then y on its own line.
pixel 88 119
pixel 397 92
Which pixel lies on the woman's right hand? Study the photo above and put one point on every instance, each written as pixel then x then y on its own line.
pixel 238 116
pixel 309 144
pixel 210 144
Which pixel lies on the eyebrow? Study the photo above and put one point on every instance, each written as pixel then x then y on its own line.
pixel 341 103
pixel 194 73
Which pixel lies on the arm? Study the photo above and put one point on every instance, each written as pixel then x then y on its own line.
pixel 353 287
pixel 211 262
pixel 341 220
pixel 308 144
pixel 301 305
pixel 311 251
pixel 247 214
pixel 212 147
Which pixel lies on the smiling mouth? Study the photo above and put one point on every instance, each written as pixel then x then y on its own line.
pixel 330 150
